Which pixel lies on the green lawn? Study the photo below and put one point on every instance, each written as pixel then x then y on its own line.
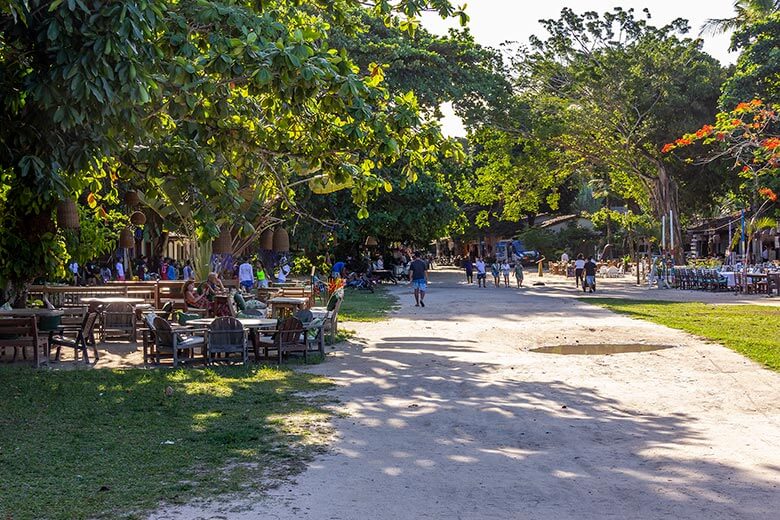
pixel 112 444
pixel 359 305
pixel 752 330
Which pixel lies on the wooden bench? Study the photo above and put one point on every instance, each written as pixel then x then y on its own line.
pixel 20 333
pixel 62 296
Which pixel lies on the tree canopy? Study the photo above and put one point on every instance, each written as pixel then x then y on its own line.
pixel 214 106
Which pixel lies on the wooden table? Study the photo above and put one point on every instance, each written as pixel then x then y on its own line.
pixel 38 313
pixel 284 305
pixel 50 315
pixel 255 325
pixel 118 314
pixel 246 322
pixel 773 282
pixel 760 276
pixel 384 274
pixel 20 313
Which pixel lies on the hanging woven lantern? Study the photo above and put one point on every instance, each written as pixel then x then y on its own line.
pixel 126 238
pixel 132 199
pixel 281 240
pixel 223 244
pixel 138 218
pixel 267 239
pixel 68 214
pixel 371 242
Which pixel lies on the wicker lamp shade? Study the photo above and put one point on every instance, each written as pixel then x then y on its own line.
pixel 126 238
pixel 223 244
pixel 371 242
pixel 68 214
pixel 267 239
pixel 138 218
pixel 132 199
pixel 281 240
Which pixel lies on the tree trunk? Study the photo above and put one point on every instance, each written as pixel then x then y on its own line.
pixel 17 293
pixel 663 197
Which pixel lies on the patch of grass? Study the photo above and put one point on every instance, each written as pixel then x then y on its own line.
pixel 341 335
pixel 112 444
pixel 359 305
pixel 752 330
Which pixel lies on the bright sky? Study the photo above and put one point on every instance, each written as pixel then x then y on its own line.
pixel 496 21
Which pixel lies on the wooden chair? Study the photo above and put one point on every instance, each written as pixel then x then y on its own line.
pixel 226 335
pixel 331 314
pixel 290 337
pixel 169 343
pixel 314 330
pixel 80 342
pixel 20 333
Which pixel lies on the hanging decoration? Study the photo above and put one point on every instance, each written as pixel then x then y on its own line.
pixel 223 244
pixel 267 239
pixel 138 218
pixel 126 238
pixel 281 242
pixel 132 199
pixel 68 214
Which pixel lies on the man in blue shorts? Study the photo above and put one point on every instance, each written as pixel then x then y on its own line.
pixel 418 275
pixel 338 270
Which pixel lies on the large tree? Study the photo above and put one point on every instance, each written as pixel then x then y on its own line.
pixel 757 73
pixel 622 88
pixel 213 105
pixel 746 12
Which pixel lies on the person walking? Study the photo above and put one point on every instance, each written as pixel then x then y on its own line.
pixel 246 275
pixel 519 273
pixel 172 272
pixel 505 272
pixel 481 274
pixel 418 275
pixel 590 275
pixel 262 279
pixel 495 270
pixel 579 269
pixel 119 268
pixel 469 270
pixel 189 274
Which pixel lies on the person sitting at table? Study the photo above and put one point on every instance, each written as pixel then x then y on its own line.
pixel 214 283
pixel 192 298
pixel 284 271
pixel 219 306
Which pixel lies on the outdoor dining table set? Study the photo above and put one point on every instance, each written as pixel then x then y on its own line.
pixel 227 338
pixel 750 280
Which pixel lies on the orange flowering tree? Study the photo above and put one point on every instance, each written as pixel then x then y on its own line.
pixel 750 136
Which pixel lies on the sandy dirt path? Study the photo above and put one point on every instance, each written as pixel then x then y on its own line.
pixel 448 415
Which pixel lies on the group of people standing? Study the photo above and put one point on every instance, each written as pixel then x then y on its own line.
pixel 584 271
pixel 500 270
pixel 94 274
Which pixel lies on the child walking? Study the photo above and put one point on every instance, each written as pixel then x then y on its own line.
pixel 505 272
pixel 519 274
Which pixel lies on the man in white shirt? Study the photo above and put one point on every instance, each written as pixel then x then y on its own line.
pixel 579 270
pixel 481 273
pixel 284 270
pixel 73 267
pixel 565 258
pixel 187 271
pixel 246 275
pixel 120 270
